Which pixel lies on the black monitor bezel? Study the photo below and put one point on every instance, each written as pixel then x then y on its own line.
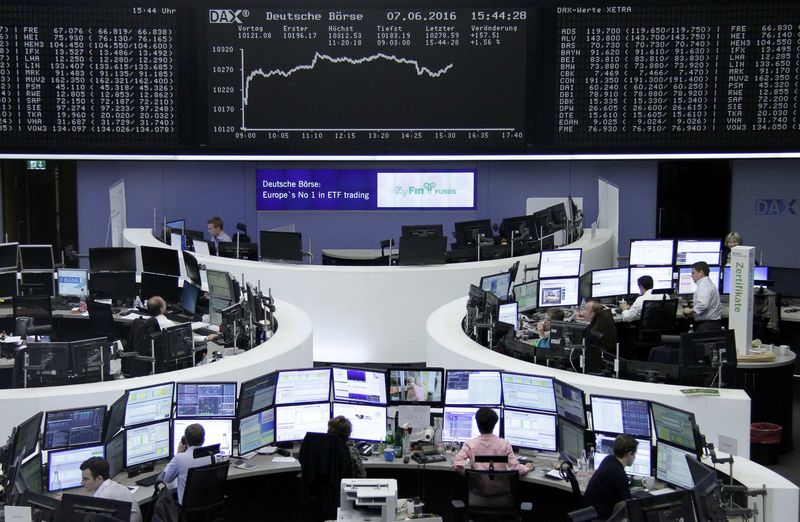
pixel 632 241
pixel 432 404
pixel 257 413
pixel 64 450
pixel 45 446
pixel 15 246
pixel 584 424
pixel 202 383
pixel 127 400
pixel 22 248
pixel 294 405
pixel 503 373
pixel 696 449
pixel 498 404
pixel 125 254
pixel 241 389
pixel 156 259
pixel 635 435
pixel 292 370
pixel 127 431
pixel 15 455
pixel 363 369
pixel 502 422
pixel 265 245
pixel 510 284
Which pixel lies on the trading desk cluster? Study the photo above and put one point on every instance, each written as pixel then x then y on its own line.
pixel 539 414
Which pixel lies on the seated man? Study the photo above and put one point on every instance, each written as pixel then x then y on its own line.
pixel 601 332
pixel 488 444
pixel 157 307
pixel 634 312
pixel 609 484
pixel 193 437
pixel 543 327
pixel 94 477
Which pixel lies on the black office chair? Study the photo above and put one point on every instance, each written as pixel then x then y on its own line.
pixel 101 319
pixel 204 495
pixel 657 318
pixel 491 495
pixel 138 359
pixel 39 309
pixel 324 462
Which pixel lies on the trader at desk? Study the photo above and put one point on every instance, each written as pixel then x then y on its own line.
pixel 609 484
pixel 633 312
pixel 218 235
pixel 94 478
pixel 707 310
pixel 178 468
pixel 488 444
pixel 157 307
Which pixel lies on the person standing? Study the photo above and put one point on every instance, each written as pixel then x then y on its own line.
pixel 706 309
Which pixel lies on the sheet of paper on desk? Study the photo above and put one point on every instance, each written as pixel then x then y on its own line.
pixel 18 514
pixel 278 458
pixel 12 339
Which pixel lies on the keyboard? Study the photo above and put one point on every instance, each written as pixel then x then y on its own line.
pixel 641 493
pixel 428 459
pixel 179 318
pixel 148 481
pixel 204 331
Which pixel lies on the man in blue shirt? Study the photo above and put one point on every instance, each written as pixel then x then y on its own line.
pixel 183 461
pixel 706 310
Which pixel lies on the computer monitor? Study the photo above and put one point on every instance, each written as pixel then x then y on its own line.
pixel 671 465
pixel 220 285
pixel 90 356
pixel 116 417
pixel 509 314
pixel 26 438
pixel 571 439
pixel 481 387
pixel 646 371
pixel 201 247
pixel 218 431
pixel 43 506
pixel 299 386
pixel 416 250
pixel 113 285
pixel 9 256
pixel 565 262
pixel 609 283
pixel 359 385
pixel 530 430
pixel 530 392
pixel 8 285
pixel 670 506
pixel 54 358
pixel 648 252
pixel 36 257
pixel 617 415
pixel 63 467
pixel 662 278
pixel 257 394
pixel 37 283
pixel 421 231
pixel 526 296
pixel 72 282
pixel 162 285
pixel 74 427
pixel 254 303
pixel 115 454
pixel 159 260
pixel 192 268
pixel 699 349
pixel 79 508
pixel 256 431
pixel 177 342
pixel 285 246
pixel 569 403
pixel 294 421
pixel 491 308
pixel 148 404
pixel 519 228
pixel 470 233
pixel 148 443
pixel 642 464
pixel 30 473
pixel 241 250
pixel 205 399
pixel 215 308
pixel 498 284
pixel 760 274
pixel 690 251
pixel 190 294
pixel 707 494
pixel 112 259
pixel 558 292
pixel 422 386
pixel 369 421
pixel 687 286
pixel 459 425
pixel 674 426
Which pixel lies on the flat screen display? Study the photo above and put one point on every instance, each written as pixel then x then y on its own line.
pixel 72 282
pixel 257 394
pixel 526 295
pixel 112 259
pixel 293 422
pixel 498 284
pixel 369 422
pixel 36 257
pixel 161 260
pixel 218 431
pixel 569 403
pixel 687 286
pixel 416 385
pixel 760 273
pixel 642 465
pixel 651 252
pixel 662 277
pixel 115 454
pixel 609 283
pixel 473 387
pixel 256 431
pixel 614 415
pixel 671 465
pixel 508 314
pixel 63 467
pixel 9 256
pixel 27 438
pixel 78 427
pixel 147 443
pixel 674 426
pixel 298 386
pixel 206 399
pixel 149 404
pixel 533 392
pixel 560 263
pixel 530 429
pixel 358 385
pixel 458 423
pixel 558 292
pixel 8 284
pixel 571 439
pixel 691 251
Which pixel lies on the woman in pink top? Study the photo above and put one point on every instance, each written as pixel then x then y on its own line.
pixel 488 444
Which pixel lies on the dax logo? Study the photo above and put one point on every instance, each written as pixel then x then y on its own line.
pixel 775 207
pixel 226 16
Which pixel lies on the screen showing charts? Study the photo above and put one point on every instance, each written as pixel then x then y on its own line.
pixel 149 404
pixel 369 422
pixel 416 385
pixel 257 394
pixel 351 384
pixel 508 314
pixel 218 431
pixel 256 431
pixel 560 263
pixel 613 415
pixel 498 284
pixel 473 387
pixel 642 465
pixel 558 292
pixel 459 424
pixel 526 295
pixel 532 392
pixel 662 277
pixel 293 422
pixel 72 282
pixel 569 403
pixel 528 429
pixel 297 386
pixel 63 467
pixel 691 251
pixel 674 425
pixel 571 439
pixel 209 399
pixel 77 427
pixel 609 283
pixel 671 465
pixel 651 252
pixel 760 273
pixel 147 443
pixel 686 284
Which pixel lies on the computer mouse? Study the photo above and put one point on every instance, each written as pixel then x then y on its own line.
pixel 283 452
pixel 406 459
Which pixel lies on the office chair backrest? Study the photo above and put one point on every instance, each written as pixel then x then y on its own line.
pixel 140 335
pixel 37 307
pixel 492 493
pixel 659 315
pixel 101 319
pixel 205 489
pixel 324 461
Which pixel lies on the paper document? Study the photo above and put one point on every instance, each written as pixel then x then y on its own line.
pixel 278 458
pixel 18 514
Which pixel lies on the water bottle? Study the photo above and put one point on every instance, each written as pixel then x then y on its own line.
pixel 691 327
pixel 82 306
pixel 224 447
pixel 56 482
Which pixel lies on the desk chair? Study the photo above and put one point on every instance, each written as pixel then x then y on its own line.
pixel 658 317
pixel 38 308
pixel 204 496
pixel 324 462
pixel 101 319
pixel 491 495
pixel 139 358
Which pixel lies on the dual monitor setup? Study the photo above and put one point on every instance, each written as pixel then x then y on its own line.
pixel 26 270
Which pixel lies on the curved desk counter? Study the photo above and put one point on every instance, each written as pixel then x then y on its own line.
pixel 375 313
pixel 290 347
pixel 727 415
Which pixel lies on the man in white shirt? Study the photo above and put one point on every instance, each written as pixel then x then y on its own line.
pixel 94 477
pixel 634 312
pixel 157 307
pixel 706 309
pixel 216 232
pixel 178 468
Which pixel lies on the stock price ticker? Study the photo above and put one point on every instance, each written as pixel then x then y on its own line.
pixel 362 80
